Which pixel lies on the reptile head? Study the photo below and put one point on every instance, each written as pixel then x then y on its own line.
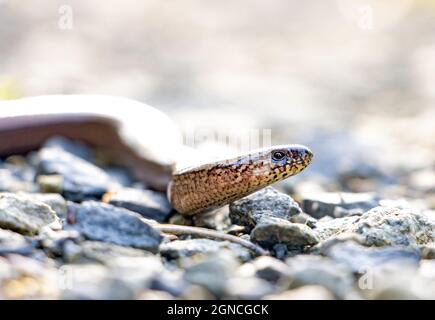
pixel 289 160
pixel 279 162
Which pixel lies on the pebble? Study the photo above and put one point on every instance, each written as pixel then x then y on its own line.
pixel 279 231
pixel 14 178
pixel 150 204
pixel 267 202
pixel 103 222
pixel 74 147
pixel 316 270
pixel 92 282
pixel 54 200
pixel 217 219
pixel 266 268
pixel 247 288
pixel 428 251
pixel 382 226
pixel 387 226
pixel 212 272
pixel 185 248
pixel 11 242
pixel 338 205
pixel 308 292
pixel 102 252
pixel 358 258
pixel 24 214
pixel 81 179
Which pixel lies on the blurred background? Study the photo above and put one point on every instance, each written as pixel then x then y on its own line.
pixel 353 80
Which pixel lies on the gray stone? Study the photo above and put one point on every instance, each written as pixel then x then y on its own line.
pixel 212 272
pixel 80 178
pixel 260 205
pixel 11 242
pixel 24 215
pixel 266 268
pixel 150 204
pixel 316 270
pixel 247 288
pixel 217 219
pixel 327 227
pixel 423 180
pixel 383 226
pixel 304 218
pixel 27 278
pixel 76 148
pixel 359 258
pixel 275 230
pixel 104 222
pixel 428 251
pixel 308 292
pixel 15 178
pixel 92 282
pixel 96 251
pixel 54 200
pixel 185 248
pixel 338 204
pixel 399 282
pixel 53 242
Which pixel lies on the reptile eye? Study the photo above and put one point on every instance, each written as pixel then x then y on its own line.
pixel 278 155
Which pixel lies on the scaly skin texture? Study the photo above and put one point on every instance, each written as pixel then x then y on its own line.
pixel 213 185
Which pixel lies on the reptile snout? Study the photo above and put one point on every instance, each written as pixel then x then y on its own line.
pixel 302 154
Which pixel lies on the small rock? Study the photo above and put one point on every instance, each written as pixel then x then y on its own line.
pixel 185 248
pixel 260 205
pixel 15 178
pixel 54 200
pixel 122 176
pixel 393 226
pixel 81 179
pixel 53 242
pixel 315 270
pixel 155 295
pixel 217 219
pixel 428 251
pixel 150 204
pixel 247 288
pixel 423 180
pixel 76 148
pixel 92 282
pixel 104 222
pixel 338 204
pixel 212 272
pixel 309 292
pixel 195 292
pixel 304 218
pixel 106 253
pixel 328 227
pixel 169 280
pixel 11 242
pixel 25 215
pixel 27 278
pixel 267 268
pixel 398 282
pixel 359 258
pixel 275 230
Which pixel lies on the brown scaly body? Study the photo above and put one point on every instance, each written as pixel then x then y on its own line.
pixel 215 184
